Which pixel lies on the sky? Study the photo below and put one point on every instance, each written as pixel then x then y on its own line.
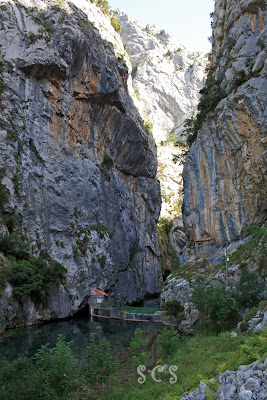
pixel 187 20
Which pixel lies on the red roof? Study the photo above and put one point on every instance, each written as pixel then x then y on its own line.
pixel 96 292
pixel 203 240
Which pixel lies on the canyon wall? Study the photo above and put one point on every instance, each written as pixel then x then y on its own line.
pixel 225 170
pixel 76 159
pixel 166 79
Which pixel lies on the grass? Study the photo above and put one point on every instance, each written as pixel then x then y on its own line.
pixel 139 310
pixel 198 359
pixel 188 272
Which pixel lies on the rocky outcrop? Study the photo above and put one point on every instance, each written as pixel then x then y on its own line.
pixel 166 76
pixel 76 157
pixel 248 383
pixel 166 80
pixel 225 170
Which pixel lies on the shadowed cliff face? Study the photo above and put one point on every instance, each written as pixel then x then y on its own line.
pixel 67 104
pixel 225 170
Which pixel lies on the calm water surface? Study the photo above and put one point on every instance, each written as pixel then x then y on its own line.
pixel 78 330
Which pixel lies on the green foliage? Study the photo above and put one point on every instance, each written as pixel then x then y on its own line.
pixel 239 78
pixel 107 162
pixel 139 310
pixel 50 375
pixel 148 127
pixel 4 195
pixel 250 290
pixel 34 278
pixel 211 94
pixel 15 245
pixel 168 341
pixel 103 5
pixel 224 305
pixel 102 260
pixel 230 43
pixel 217 303
pixel 115 24
pixel 59 367
pixel 16 182
pixel 2 85
pixel 255 347
pixel 98 364
pixel 102 230
pixel 137 93
pixel 12 220
pixel 175 309
pixel 198 358
pixel 33 37
pixel 137 341
pixel 169 53
pixel 29 275
pixel 251 314
pixel 137 347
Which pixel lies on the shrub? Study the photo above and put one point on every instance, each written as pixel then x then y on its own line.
pixel 148 127
pixel 115 24
pixel 107 161
pixel 230 43
pixel 217 303
pixel 12 220
pixel 59 368
pixel 50 375
pixel 137 347
pixel 34 278
pixel 2 85
pixel 211 94
pixel 250 290
pixel 98 364
pixel 255 346
pixel 33 37
pixel 168 341
pixel 239 78
pixel 4 195
pixel 175 309
pixel 169 53
pixel 103 5
pixel 15 245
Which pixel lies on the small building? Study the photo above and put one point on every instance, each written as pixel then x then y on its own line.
pixel 204 246
pixel 97 297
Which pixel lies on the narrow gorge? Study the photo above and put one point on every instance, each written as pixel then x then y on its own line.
pixel 133 205
pixel 97 114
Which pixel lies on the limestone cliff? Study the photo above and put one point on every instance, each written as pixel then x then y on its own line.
pixel 225 170
pixel 166 80
pixel 166 76
pixel 75 156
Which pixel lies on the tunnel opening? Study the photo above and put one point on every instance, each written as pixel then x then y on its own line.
pixel 83 311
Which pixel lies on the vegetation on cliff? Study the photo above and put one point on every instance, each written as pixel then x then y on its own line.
pixel 29 275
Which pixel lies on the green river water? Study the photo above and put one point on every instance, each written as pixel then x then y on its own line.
pixel 78 330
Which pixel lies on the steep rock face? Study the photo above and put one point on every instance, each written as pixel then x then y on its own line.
pixel 166 79
pixel 67 115
pixel 225 171
pixel 166 76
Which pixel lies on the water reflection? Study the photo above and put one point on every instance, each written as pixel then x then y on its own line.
pixel 79 331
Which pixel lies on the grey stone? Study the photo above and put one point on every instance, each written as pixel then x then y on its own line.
pixel 203 387
pixel 245 395
pixel 227 391
pixel 209 209
pixel 259 62
pixel 251 384
pixel 67 99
